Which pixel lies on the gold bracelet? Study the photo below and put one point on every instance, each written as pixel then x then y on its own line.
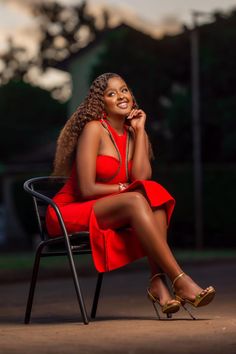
pixel 121 186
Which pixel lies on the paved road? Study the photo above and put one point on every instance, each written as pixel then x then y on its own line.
pixel 125 321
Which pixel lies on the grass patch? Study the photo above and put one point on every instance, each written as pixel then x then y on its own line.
pixel 24 261
pixel 192 255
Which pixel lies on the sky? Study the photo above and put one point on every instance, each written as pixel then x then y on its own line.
pixel 155 17
pixel 156 10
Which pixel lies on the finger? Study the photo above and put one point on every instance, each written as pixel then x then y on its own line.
pixel 140 112
pixel 135 113
pixel 130 116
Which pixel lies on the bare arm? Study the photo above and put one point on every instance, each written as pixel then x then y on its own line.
pixel 141 167
pixel 86 155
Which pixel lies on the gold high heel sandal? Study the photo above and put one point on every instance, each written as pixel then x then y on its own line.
pixel 167 308
pixel 201 299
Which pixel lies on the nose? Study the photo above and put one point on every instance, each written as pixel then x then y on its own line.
pixel 120 96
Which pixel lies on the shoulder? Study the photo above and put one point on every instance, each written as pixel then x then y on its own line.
pixel 93 127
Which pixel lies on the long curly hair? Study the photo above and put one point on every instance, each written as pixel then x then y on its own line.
pixel 91 108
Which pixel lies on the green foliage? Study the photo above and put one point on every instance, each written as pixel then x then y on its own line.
pixel 147 66
pixel 29 117
pixel 178 118
pixel 218 200
pixel 119 57
pixel 218 75
pixel 26 214
pixel 154 68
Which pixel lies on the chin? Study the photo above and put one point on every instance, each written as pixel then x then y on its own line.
pixel 124 113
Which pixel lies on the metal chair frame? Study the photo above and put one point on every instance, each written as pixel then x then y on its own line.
pixel 41 201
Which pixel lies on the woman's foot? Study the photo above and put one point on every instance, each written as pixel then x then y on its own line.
pixel 188 291
pixel 159 291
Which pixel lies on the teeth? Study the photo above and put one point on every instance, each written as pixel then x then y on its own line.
pixel 123 105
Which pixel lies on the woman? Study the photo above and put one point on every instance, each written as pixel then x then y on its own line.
pixel 106 152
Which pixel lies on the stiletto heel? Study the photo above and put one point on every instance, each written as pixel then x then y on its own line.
pixel 156 310
pixel 167 308
pixel 189 312
pixel 201 299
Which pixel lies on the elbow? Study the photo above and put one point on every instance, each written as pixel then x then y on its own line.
pixel 141 176
pixel 86 193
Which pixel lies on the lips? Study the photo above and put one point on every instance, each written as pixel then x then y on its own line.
pixel 123 105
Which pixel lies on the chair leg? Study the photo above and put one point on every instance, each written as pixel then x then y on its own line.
pixel 33 283
pixel 76 283
pixel 96 295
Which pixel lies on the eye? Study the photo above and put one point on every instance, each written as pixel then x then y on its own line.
pixel 111 94
pixel 125 89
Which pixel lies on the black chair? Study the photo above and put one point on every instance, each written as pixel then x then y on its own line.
pixel 42 189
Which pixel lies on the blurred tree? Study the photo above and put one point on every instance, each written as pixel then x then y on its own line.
pixel 15 63
pixel 29 117
pixel 179 147
pixel 159 73
pixel 152 68
pixel 218 75
pixel 151 75
pixel 63 31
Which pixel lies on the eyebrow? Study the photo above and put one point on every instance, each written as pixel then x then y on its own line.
pixel 112 89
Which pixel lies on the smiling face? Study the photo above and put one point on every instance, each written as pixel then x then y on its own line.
pixel 118 100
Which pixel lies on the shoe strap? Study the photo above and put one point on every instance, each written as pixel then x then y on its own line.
pixel 156 275
pixel 175 280
pixel 153 298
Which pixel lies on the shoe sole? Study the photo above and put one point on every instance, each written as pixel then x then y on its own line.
pixel 207 299
pixel 172 309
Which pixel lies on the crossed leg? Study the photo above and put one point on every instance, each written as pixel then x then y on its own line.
pixel 133 209
pixel 158 287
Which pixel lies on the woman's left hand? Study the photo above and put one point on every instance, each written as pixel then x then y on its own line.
pixel 137 118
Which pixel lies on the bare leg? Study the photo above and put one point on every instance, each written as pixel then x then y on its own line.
pixel 161 224
pixel 158 287
pixel 133 209
pixel 159 214
pixel 186 288
pixel 161 227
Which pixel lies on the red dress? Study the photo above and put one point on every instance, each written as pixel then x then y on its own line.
pixel 111 249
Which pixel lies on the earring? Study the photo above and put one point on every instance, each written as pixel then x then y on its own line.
pixel 104 115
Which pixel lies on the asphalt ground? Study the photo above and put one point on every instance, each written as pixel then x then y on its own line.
pixel 126 321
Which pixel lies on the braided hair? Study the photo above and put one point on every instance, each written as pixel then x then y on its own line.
pixel 90 109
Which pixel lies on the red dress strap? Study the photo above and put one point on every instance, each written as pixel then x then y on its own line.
pixel 121 144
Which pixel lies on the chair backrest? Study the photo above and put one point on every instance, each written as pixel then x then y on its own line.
pixel 43 189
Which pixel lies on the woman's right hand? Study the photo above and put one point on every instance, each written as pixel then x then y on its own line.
pixel 137 119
